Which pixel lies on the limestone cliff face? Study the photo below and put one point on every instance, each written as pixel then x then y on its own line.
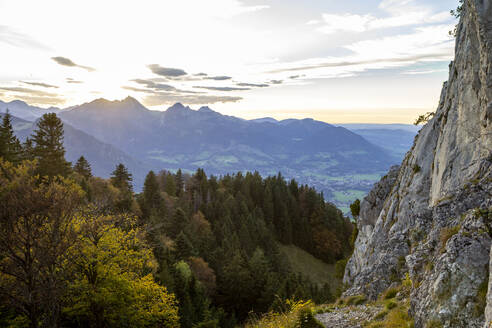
pixel 431 218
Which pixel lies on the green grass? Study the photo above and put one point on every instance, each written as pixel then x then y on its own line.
pixel 309 266
pixel 349 195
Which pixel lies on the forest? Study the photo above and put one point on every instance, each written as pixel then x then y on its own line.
pixel 190 250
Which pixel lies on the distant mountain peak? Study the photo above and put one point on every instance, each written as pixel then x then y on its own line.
pixel 264 120
pixel 205 109
pixel 178 107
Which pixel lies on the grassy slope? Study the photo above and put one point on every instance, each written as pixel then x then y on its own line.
pixel 309 266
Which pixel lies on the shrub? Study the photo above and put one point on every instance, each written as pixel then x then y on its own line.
pixel 391 293
pixel 356 300
pixel 306 319
pixel 390 305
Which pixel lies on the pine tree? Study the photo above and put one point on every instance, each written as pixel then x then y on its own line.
pixel 121 178
pixel 83 167
pixel 49 149
pixel 10 147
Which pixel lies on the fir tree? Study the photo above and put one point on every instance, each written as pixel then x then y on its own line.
pixel 151 195
pixel 83 167
pixel 121 178
pixel 179 183
pixel 10 147
pixel 49 149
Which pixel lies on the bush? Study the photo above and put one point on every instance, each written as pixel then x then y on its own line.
pixel 356 300
pixel 390 293
pixel 306 319
pixel 390 305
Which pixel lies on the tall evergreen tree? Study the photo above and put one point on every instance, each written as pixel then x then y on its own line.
pixel 179 183
pixel 10 147
pixel 49 149
pixel 121 178
pixel 151 195
pixel 83 167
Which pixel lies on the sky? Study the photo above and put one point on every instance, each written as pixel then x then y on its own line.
pixel 365 61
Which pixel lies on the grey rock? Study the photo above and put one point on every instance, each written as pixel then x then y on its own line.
pixel 431 218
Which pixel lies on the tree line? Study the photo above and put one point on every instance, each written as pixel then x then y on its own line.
pixel 189 250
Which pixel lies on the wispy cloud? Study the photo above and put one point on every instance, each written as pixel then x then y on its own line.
pixel 221 88
pixel 17 39
pixel 253 85
pixel 68 62
pixel 156 86
pixel 421 72
pixel 218 78
pixel 70 80
pixel 398 13
pixel 171 98
pixel 40 84
pixel 29 91
pixel 166 71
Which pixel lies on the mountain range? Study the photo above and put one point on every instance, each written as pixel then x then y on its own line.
pixel 342 163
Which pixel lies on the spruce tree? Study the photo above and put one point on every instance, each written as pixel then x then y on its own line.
pixel 49 149
pixel 10 147
pixel 83 167
pixel 121 178
pixel 179 183
pixel 151 194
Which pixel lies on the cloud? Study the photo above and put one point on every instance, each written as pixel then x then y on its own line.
pixel 253 85
pixel 29 91
pixel 20 40
pixel 221 88
pixel 39 84
pixel 229 9
pixel 171 98
pixel 68 62
pixel 276 81
pixel 398 13
pixel 156 86
pixel 35 100
pixel 166 71
pixel 70 80
pixel 201 74
pixel 34 96
pixel 421 72
pixel 425 44
pixel 313 22
pixel 218 78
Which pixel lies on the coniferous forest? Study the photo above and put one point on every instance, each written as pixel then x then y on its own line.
pixel 190 250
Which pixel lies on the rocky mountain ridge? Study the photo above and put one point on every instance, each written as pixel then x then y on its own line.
pixel 431 218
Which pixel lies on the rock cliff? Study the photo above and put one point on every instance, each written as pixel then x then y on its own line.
pixel 431 218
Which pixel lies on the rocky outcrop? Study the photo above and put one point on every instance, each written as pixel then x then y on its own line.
pixel 431 218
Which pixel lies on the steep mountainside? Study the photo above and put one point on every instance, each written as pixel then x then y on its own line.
pixel 432 217
pixel 333 159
